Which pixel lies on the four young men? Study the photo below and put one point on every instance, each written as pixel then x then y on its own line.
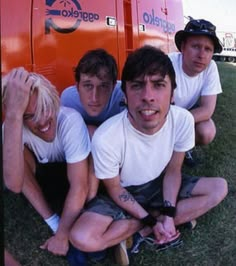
pixel 141 166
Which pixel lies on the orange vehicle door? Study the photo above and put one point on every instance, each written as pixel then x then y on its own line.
pixel 175 17
pixel 158 22
pixel 15 34
pixel 62 31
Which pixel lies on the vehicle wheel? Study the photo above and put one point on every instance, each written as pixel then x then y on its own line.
pixel 230 59
pixel 222 58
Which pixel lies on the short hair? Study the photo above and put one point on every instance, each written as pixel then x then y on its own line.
pixel 147 60
pixel 95 60
pixel 48 100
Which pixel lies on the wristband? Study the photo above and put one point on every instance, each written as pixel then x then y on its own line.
pixel 149 220
pixel 167 209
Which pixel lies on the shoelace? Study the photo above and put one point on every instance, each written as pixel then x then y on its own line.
pixel 152 242
pixel 175 243
pixel 188 155
pixel 148 240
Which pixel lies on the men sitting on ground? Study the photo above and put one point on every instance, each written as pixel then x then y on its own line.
pixel 197 77
pixel 141 166
pixel 47 142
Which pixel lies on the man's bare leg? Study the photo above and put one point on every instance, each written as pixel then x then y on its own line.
pixel 95 232
pixel 207 193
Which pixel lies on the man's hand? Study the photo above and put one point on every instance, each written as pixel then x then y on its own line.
pixel 165 231
pixel 56 245
pixel 169 225
pixel 18 85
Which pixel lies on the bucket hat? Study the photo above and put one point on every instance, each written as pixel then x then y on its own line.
pixel 198 27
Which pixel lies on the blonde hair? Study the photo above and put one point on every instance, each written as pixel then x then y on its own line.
pixel 48 101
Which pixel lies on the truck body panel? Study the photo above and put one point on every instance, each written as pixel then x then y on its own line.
pixel 50 36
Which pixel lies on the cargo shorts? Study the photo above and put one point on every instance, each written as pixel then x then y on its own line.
pixel 148 195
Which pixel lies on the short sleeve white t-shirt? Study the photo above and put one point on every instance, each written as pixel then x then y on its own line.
pixel 71 144
pixel 119 149
pixel 190 89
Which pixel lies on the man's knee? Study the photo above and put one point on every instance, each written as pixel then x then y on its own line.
pixel 205 132
pixel 219 190
pixel 80 240
pixel 85 240
pixel 86 234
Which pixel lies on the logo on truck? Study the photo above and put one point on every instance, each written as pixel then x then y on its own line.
pixel 153 19
pixel 65 16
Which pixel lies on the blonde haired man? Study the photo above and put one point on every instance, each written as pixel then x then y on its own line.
pixel 47 141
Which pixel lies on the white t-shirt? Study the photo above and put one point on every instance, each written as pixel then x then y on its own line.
pixel 71 144
pixel 70 97
pixel 119 149
pixel 189 89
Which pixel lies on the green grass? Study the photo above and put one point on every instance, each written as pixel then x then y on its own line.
pixel 212 243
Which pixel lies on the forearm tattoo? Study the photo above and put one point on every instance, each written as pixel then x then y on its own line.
pixel 126 196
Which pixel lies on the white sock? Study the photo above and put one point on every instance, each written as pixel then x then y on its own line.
pixel 53 222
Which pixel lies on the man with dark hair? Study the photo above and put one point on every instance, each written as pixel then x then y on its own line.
pixel 141 166
pixel 197 77
pixel 97 94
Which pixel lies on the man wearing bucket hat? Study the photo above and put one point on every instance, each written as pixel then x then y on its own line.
pixel 197 77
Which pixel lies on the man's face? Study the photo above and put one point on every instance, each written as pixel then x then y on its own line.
pixel 197 53
pixel 148 100
pixel 45 128
pixel 95 92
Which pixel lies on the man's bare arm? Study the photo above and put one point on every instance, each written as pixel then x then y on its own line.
pixel 123 198
pixel 74 203
pixel 16 98
pixel 205 109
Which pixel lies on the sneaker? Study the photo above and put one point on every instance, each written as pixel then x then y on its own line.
pixel 131 246
pixel 138 240
pixel 190 225
pixel 172 244
pixel 121 254
pixel 188 159
pixel 135 241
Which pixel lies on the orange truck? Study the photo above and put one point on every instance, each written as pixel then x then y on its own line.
pixel 50 36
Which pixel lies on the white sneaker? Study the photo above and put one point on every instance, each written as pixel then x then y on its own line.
pixel 121 254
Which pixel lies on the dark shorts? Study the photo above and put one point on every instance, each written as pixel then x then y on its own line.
pixel 148 195
pixel 52 178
